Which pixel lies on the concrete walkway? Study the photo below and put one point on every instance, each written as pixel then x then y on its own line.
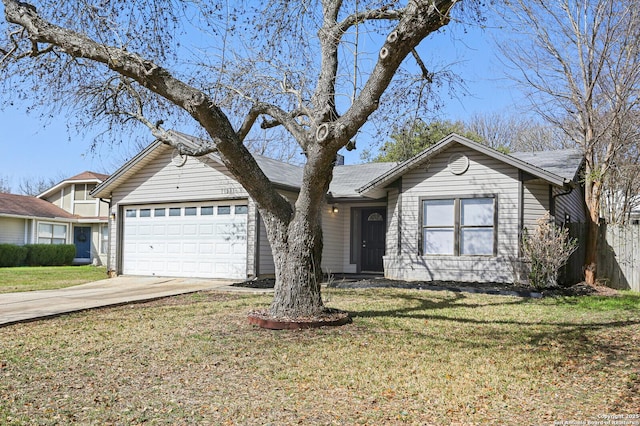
pixel 30 305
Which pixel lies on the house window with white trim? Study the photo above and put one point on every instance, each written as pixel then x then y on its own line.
pixel 459 226
pixel 104 239
pixel 52 233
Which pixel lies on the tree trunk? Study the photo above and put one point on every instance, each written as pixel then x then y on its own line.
pixel 298 271
pixel 591 251
pixel 592 193
pixel 296 243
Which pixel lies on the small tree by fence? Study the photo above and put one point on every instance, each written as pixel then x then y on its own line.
pixel 618 256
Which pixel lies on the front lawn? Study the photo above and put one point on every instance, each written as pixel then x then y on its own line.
pixel 29 278
pixel 409 357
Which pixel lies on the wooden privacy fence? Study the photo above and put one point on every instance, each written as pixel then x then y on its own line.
pixel 619 256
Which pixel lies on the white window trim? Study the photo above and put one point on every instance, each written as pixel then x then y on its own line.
pixel 37 231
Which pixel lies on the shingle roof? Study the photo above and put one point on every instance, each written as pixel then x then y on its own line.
pixel 347 179
pixel 368 180
pixel 563 162
pixel 84 176
pixel 87 175
pixel 547 166
pixel 279 172
pixel 23 205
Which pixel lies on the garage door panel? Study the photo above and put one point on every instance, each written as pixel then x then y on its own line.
pixel 206 229
pixel 190 230
pixel 201 245
pixel 145 230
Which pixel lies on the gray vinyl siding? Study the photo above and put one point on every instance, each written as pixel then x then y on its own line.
pixel 114 233
pixel 252 229
pixel 161 181
pixel 12 230
pixel 335 233
pixel 572 203
pixel 392 242
pixel 485 176
pixel 266 266
pixel 536 194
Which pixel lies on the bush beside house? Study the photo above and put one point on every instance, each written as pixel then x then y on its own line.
pixel 36 255
pixel 12 255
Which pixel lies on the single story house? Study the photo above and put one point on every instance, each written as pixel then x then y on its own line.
pixel 64 214
pixel 456 211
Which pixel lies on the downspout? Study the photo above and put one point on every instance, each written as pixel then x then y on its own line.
pixel 562 194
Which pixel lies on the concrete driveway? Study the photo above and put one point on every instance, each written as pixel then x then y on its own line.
pixel 17 307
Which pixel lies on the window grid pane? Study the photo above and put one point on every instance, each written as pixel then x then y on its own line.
pixel 45 230
pixel 476 241
pixel 476 212
pixel 438 213
pixel 438 241
pixel 60 231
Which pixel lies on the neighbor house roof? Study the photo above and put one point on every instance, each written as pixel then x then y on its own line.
pixel 88 176
pixel 84 177
pixel 27 206
pixel 556 167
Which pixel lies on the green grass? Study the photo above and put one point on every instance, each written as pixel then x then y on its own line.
pixel 409 357
pixel 30 278
pixel 625 300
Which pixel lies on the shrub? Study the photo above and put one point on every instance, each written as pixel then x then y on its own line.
pixel 12 255
pixel 546 251
pixel 50 254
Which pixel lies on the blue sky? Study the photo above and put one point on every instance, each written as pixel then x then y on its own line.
pixel 36 147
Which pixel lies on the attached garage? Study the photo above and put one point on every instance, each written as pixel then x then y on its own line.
pixel 204 239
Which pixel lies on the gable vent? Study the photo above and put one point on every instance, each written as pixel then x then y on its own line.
pixel 458 164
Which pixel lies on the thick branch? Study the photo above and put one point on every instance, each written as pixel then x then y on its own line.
pixel 281 118
pixel 419 19
pixel 157 79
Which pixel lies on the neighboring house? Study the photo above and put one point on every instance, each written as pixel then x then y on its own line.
pixel 456 211
pixel 63 214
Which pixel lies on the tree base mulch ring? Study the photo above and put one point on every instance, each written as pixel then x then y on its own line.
pixel 328 318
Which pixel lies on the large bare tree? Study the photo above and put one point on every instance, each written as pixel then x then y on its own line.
pixel 515 133
pixel 580 60
pixel 318 69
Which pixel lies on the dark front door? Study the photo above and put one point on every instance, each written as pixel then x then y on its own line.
pixel 373 228
pixel 82 241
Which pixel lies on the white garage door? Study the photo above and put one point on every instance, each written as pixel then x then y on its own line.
pixel 207 240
